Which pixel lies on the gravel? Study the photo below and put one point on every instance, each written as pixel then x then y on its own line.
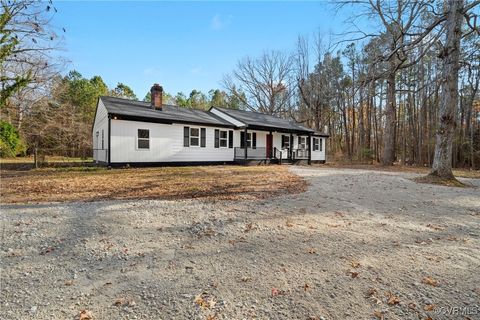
pixel 342 250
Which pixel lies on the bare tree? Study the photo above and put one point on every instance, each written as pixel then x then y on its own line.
pixel 450 55
pixel 264 84
pixel 27 42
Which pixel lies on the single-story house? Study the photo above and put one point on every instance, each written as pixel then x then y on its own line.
pixel 142 133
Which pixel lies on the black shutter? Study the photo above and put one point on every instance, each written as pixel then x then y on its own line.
pixel 242 139
pixel 254 140
pixel 283 141
pixel 203 133
pixel 299 141
pixel 186 136
pixel 217 138
pixel 320 144
pixel 230 139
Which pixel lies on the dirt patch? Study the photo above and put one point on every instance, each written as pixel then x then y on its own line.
pixel 440 181
pixel 214 182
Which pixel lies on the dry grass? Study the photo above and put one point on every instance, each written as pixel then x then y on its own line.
pixel 215 182
pixel 49 159
pixel 461 173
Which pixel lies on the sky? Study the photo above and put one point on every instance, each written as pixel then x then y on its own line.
pixel 181 45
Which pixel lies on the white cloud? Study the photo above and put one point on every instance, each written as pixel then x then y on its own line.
pixel 218 22
pixel 150 71
pixel 196 70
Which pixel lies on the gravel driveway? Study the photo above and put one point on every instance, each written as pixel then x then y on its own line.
pixel 357 245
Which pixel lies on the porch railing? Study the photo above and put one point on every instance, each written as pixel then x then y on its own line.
pixel 252 153
pixel 300 153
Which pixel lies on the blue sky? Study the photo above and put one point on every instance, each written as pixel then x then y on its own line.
pixel 181 45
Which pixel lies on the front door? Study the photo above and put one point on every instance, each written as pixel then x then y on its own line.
pixel 269 145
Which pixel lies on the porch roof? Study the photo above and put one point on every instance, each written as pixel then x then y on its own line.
pixel 261 121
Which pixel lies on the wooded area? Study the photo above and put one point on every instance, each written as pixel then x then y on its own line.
pixel 405 92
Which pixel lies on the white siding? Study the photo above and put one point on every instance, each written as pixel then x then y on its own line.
pixel 166 144
pixel 101 123
pixel 319 155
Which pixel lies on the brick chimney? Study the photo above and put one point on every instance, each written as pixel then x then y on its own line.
pixel 156 93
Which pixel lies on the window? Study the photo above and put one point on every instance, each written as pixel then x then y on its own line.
pixel 302 143
pixel 143 139
pixel 223 139
pixel 194 137
pixel 316 146
pixel 285 142
pixel 251 139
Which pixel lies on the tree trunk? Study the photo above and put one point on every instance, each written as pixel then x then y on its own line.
pixel 390 120
pixel 442 162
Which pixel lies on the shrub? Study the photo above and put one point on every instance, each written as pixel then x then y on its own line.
pixel 10 143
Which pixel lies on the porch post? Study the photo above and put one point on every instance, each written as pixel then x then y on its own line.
pixel 309 149
pixel 245 145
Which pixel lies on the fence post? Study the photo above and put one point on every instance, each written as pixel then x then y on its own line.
pixel 35 158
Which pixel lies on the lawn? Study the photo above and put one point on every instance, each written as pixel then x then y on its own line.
pixel 89 184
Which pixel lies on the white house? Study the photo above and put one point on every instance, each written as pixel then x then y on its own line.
pixel 136 132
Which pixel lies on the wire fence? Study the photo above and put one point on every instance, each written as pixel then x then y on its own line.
pixel 50 157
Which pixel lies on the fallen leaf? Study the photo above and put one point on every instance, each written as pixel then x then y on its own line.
pixel 86 315
pixel 274 292
pixel 354 274
pixel 212 317
pixel 392 299
pixel 205 301
pixel 246 279
pixel 48 250
pixel 435 227
pixel 378 314
pixel 412 306
pixel 305 287
pixel 312 251
pixel 289 223
pixel 277 292
pixel 69 282
pixel 248 227
pixel 430 281
pixel 355 264
pixel 371 292
pixel 429 307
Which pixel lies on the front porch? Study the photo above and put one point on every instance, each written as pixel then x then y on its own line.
pixel 260 146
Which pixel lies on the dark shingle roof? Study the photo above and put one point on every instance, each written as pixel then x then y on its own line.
pixel 141 109
pixel 257 119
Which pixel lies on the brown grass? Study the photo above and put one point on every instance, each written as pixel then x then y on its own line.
pixel 215 182
pixel 461 173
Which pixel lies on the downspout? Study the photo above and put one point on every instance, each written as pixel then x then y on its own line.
pixel 291 146
pixel 245 139
pixel 109 140
pixel 309 149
